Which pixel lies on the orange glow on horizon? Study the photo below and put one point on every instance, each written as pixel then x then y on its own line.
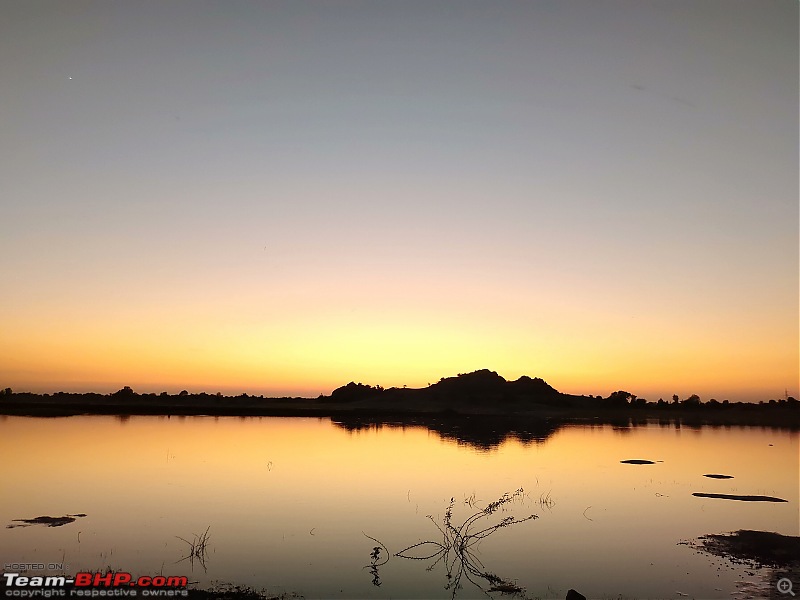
pixel 287 342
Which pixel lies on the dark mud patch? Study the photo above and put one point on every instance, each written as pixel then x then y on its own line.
pixel 46 521
pixel 740 498
pixel 758 548
pixel 637 461
pixel 718 476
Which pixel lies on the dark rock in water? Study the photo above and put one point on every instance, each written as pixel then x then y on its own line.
pixel 742 498
pixel 718 476
pixel 46 521
pixel 573 595
pixel 637 461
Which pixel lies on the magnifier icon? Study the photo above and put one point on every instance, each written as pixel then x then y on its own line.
pixel 784 586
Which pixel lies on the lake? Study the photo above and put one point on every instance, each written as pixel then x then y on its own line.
pixel 288 503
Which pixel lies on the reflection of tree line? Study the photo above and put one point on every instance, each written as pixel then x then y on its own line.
pixel 487 432
pixel 483 432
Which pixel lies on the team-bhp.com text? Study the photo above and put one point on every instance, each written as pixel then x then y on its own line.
pixel 94 585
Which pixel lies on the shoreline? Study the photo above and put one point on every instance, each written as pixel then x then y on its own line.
pixel 481 393
pixel 751 415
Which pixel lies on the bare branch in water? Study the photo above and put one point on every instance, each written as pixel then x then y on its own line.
pixel 455 549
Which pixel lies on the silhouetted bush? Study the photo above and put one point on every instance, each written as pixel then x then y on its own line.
pixel 125 392
pixel 354 391
pixel 619 398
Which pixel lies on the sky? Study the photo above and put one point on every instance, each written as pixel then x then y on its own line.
pixel 279 197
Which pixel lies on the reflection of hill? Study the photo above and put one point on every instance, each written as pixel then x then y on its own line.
pixel 484 432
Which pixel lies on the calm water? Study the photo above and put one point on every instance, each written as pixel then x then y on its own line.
pixel 289 501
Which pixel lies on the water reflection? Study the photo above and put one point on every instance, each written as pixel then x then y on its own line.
pixel 482 432
pixel 287 502
pixel 489 432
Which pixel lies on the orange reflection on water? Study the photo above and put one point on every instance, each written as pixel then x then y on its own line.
pixel 280 494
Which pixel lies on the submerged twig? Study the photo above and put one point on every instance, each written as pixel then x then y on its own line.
pixel 456 548
pixel 376 560
pixel 198 549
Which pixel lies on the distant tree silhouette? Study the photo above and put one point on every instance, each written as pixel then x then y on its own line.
pixel 693 400
pixel 355 391
pixel 675 398
pixel 125 392
pixel 619 398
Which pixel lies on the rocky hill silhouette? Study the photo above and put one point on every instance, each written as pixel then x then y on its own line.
pixel 478 391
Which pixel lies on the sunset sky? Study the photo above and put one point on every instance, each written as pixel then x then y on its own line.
pixel 280 197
